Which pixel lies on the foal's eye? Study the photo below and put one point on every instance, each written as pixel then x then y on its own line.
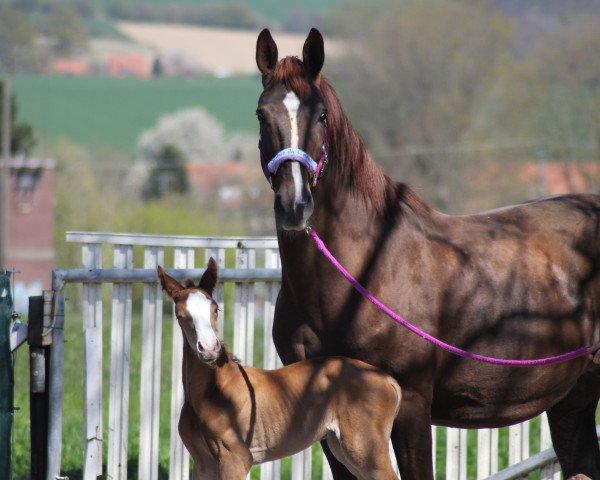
pixel 323 116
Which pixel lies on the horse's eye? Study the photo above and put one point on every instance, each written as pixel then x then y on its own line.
pixel 323 116
pixel 261 116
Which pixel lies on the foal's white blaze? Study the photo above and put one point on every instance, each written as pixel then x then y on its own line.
pixel 199 307
pixel 292 104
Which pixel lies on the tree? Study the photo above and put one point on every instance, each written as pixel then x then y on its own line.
pixel 16 39
pixel 551 97
pixel 65 27
pixel 414 80
pixel 22 139
pixel 422 69
pixel 199 136
pixel 168 174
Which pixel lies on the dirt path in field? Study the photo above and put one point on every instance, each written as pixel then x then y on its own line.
pixel 219 50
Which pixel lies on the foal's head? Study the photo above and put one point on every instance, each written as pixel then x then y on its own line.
pixel 196 311
pixel 292 118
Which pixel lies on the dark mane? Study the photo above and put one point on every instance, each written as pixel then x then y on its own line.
pixel 353 161
pixel 226 356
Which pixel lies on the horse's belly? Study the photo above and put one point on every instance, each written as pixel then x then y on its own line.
pixel 466 415
pixel 502 398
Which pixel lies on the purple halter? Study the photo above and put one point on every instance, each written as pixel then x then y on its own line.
pixel 295 155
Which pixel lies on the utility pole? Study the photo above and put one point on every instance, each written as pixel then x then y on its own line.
pixel 5 171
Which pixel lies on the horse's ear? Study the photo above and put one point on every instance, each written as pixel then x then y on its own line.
pixel 168 283
pixel 313 53
pixel 266 52
pixel 209 277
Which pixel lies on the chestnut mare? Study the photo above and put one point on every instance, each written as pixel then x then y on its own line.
pixel 234 416
pixel 519 282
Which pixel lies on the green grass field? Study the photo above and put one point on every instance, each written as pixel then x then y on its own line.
pixel 106 114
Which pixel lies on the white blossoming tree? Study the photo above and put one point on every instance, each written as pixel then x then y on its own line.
pixel 199 136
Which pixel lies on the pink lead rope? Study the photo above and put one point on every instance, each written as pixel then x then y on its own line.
pixel 438 343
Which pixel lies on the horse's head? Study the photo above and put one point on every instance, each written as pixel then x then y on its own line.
pixel 196 311
pixel 293 120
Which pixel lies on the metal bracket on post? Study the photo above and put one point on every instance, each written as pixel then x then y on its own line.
pixel 40 320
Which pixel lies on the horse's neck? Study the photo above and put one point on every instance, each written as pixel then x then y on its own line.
pixel 350 199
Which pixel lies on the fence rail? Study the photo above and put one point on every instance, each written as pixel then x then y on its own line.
pixel 248 288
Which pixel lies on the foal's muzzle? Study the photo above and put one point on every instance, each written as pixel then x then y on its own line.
pixel 211 355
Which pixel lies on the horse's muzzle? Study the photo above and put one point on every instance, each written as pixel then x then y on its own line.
pixel 292 215
pixel 293 199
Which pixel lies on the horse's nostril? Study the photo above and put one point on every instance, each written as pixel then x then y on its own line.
pixel 200 347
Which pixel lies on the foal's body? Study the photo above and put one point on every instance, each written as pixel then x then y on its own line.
pixel 235 416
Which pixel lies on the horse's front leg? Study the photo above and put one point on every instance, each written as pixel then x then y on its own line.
pixel 411 437
pixel 573 428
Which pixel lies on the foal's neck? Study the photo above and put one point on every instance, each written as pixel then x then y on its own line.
pixel 200 378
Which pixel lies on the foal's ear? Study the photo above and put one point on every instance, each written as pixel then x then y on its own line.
pixel 168 283
pixel 266 52
pixel 209 277
pixel 313 53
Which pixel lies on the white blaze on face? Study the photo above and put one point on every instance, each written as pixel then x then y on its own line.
pixel 292 104
pixel 199 307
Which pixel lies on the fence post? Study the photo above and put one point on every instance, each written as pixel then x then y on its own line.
pixel 55 389
pixel 92 341
pixel 179 465
pixel 39 374
pixel 120 350
pixel 6 375
pixel 150 369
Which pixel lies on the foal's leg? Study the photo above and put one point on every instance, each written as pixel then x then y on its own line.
pixel 366 452
pixel 338 470
pixel 362 442
pixel 232 470
pixel 573 427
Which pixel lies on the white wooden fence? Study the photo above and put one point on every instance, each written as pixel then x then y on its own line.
pixel 246 294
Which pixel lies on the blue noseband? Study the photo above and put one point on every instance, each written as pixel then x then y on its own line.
pixel 292 154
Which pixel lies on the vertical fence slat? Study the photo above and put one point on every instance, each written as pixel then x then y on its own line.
pixel 456 453
pixel 301 465
pixel 271 470
pixel 552 471
pixel 179 457
pixel 518 442
pixel 487 452
pixel 243 327
pixel 433 448
pixel 243 323
pixel 393 458
pixel 120 347
pixel 150 369
pixel 92 325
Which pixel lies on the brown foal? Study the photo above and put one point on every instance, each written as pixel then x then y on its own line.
pixel 235 416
